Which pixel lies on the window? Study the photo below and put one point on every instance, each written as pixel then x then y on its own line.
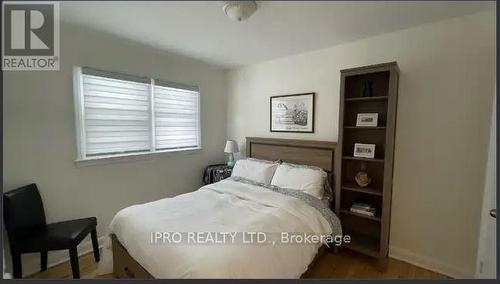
pixel 176 117
pixel 118 115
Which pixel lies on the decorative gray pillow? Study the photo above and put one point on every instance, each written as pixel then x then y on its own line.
pixel 328 192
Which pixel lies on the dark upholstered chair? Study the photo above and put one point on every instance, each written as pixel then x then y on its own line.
pixel 27 231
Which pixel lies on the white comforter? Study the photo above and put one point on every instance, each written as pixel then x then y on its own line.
pixel 226 206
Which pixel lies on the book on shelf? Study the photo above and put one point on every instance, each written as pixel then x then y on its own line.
pixel 363 212
pixel 363 206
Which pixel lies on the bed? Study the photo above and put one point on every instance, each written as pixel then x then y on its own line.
pixel 142 236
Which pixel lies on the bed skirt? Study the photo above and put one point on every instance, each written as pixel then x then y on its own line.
pixel 126 267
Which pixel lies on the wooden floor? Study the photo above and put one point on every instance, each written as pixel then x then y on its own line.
pixel 342 265
pixel 350 265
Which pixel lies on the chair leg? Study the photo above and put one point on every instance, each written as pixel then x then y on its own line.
pixel 43 260
pixel 95 245
pixel 73 256
pixel 17 265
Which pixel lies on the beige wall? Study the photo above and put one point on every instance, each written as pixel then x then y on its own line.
pixel 445 93
pixel 486 266
pixel 40 140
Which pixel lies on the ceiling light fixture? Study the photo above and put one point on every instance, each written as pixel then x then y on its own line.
pixel 239 10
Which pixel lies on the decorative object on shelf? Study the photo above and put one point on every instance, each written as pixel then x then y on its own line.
pixel 231 148
pixel 364 150
pixel 362 178
pixel 367 119
pixel 215 173
pixel 292 113
pixel 363 209
pixel 368 89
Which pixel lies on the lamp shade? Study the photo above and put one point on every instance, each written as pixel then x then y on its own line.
pixel 231 147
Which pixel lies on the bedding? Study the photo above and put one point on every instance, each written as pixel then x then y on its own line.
pixel 298 177
pixel 260 171
pixel 235 205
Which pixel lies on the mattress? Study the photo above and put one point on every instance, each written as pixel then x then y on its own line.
pixel 229 229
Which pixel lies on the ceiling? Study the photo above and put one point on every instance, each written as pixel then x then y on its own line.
pixel 200 29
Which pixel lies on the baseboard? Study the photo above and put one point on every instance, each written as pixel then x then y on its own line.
pixel 31 262
pixel 428 263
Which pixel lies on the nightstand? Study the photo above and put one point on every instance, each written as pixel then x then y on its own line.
pixel 215 173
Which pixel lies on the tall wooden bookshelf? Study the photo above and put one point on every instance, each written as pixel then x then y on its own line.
pixel 369 234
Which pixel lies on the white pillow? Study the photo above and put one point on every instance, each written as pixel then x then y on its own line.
pixel 304 178
pixel 260 171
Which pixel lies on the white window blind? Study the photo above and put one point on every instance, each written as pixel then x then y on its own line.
pixel 119 114
pixel 176 118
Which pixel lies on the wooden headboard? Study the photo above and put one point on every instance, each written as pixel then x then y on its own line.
pixel 305 152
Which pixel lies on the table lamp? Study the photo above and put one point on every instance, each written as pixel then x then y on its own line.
pixel 231 148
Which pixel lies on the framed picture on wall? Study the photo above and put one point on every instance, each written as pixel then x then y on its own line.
pixel 292 113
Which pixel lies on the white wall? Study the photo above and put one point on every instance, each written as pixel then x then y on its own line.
pixel 40 140
pixel 445 92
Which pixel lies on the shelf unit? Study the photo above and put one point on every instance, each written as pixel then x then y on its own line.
pixel 364 159
pixel 366 99
pixel 369 234
pixel 365 190
pixel 366 127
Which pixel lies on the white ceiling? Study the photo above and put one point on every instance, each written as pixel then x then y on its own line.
pixel 200 29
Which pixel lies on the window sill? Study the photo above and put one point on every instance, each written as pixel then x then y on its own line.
pixel 103 160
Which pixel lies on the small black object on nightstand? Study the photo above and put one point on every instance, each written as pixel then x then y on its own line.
pixel 215 173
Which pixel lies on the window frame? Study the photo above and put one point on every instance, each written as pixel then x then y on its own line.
pixel 79 106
